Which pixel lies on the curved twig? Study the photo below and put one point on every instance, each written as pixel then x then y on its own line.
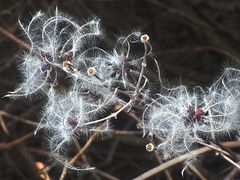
pixel 182 158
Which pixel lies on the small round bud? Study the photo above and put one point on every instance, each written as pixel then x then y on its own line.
pixel 67 65
pixel 144 65
pixel 91 71
pixel 39 165
pixel 139 125
pixel 150 147
pixel 117 107
pixel 144 38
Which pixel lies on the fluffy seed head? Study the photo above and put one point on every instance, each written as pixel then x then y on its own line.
pixel 79 79
pixel 183 119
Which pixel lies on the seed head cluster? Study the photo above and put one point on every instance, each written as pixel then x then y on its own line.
pixel 83 84
pixel 79 79
pixel 184 119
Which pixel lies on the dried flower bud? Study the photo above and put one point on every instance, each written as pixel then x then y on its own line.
pixel 43 174
pixel 150 147
pixel 117 107
pixel 144 65
pixel 67 66
pixel 145 38
pixel 69 56
pixel 39 165
pixel 91 71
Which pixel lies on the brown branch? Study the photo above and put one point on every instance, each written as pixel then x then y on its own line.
pixel 14 38
pixel 7 64
pixel 85 147
pixel 230 161
pixel 9 10
pixel 180 13
pixel 3 125
pixel 182 158
pixel 159 159
pixel 232 174
pixel 84 158
pixel 197 172
pixel 37 151
pixel 17 118
pixel 125 133
pixel 16 141
pixel 218 50
pixel 105 175
pixel 78 155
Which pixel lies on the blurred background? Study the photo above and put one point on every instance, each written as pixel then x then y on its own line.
pixel 193 41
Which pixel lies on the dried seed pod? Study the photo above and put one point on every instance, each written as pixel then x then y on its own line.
pixel 43 174
pixel 39 165
pixel 150 147
pixel 67 66
pixel 144 65
pixel 91 71
pixel 117 107
pixel 144 38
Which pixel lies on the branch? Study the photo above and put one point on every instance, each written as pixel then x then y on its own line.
pixel 16 141
pixel 78 155
pixel 182 158
pixel 14 38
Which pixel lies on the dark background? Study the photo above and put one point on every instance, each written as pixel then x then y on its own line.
pixel 193 41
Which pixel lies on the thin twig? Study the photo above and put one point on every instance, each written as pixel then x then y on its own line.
pixel 37 151
pixel 182 158
pixel 167 173
pixel 113 115
pixel 233 155
pixel 125 132
pixel 218 50
pixel 137 88
pixel 7 64
pixel 17 118
pixel 3 125
pixel 11 8
pixel 232 174
pixel 197 172
pixel 78 155
pixel 16 141
pixel 85 160
pixel 231 161
pixel 105 175
pixel 14 38
pixel 214 148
